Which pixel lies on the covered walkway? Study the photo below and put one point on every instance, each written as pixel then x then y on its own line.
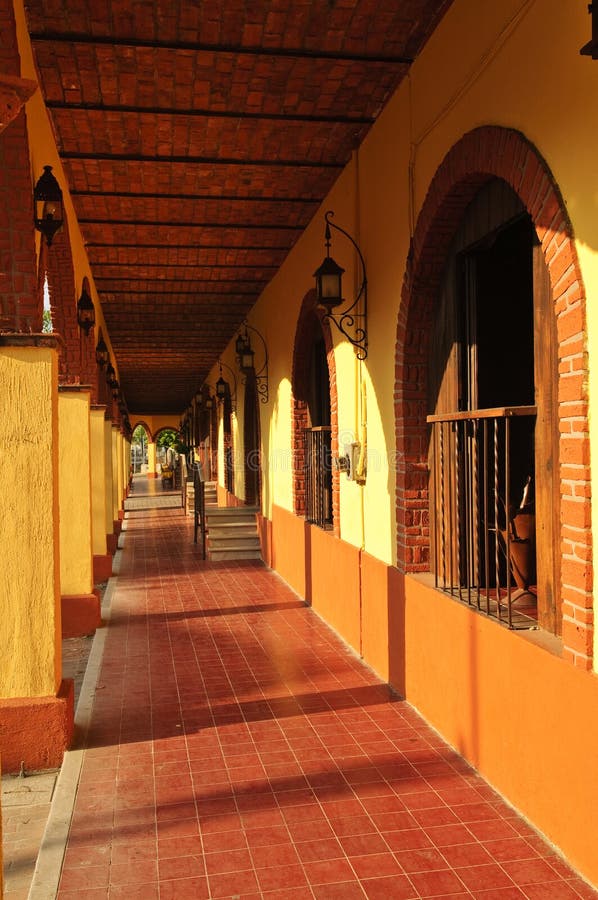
pixel 238 749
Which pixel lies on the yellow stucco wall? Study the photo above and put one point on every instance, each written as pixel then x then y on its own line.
pixel 30 650
pixel 499 75
pixel 76 569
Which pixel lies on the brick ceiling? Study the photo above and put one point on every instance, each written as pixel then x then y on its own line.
pixel 199 139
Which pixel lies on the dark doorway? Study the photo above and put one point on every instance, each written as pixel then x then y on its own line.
pixel 251 440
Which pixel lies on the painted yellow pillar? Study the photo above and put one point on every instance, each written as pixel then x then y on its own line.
pixel 111 539
pixel 36 707
pixel 121 477
pixel 151 459
pixel 80 606
pixel 115 478
pixel 102 559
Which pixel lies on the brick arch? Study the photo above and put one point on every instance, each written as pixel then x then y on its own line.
pixel 310 316
pixel 145 427
pixel 154 437
pixel 480 155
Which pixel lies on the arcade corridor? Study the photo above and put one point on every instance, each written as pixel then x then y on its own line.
pixel 237 748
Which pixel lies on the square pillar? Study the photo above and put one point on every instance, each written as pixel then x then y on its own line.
pixel 102 559
pixel 36 706
pixel 80 604
pixel 111 537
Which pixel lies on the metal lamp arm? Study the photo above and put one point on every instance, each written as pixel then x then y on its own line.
pixel 363 289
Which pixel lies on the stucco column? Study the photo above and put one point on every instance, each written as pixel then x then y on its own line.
pixel 151 459
pixel 36 705
pixel 116 523
pixel 102 559
pixel 111 537
pixel 80 604
pixel 120 452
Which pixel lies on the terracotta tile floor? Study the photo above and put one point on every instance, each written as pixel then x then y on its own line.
pixel 239 750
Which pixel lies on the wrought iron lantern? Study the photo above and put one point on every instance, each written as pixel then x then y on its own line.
pixel 102 354
pixel 86 314
pixel 591 48
pixel 330 295
pixel 223 388
pixel 47 203
pixel 246 360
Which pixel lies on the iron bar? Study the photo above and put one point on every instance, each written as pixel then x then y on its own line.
pixel 318 475
pixel 475 456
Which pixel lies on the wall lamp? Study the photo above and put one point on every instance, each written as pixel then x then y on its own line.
pixel 245 360
pixel 86 314
pixel 48 216
pixel 591 48
pixel 205 400
pixel 101 352
pixel 223 389
pixel 329 293
pixel 111 379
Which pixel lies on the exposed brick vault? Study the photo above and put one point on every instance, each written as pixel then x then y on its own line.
pixel 482 154
pixel 310 318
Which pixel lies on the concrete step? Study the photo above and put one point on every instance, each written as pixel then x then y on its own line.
pixel 232 532
pixel 216 555
pixel 220 529
pixel 219 514
pixel 243 542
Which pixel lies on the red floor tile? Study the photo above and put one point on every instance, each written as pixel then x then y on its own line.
pixel 237 749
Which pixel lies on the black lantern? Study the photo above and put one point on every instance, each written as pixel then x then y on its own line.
pixel 329 277
pixel 329 294
pixel 47 202
pixel 246 360
pixel 86 314
pixel 101 353
pixel 111 376
pixel 208 401
pixel 221 387
pixel 591 48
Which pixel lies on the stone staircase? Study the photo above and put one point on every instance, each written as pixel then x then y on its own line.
pixel 210 494
pixel 232 532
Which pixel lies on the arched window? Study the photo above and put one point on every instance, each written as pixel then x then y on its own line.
pixel 314 423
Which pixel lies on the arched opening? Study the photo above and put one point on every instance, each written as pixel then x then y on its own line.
pixel 492 521
pixel 251 441
pixel 481 156
pixel 227 443
pixel 139 443
pixel 314 423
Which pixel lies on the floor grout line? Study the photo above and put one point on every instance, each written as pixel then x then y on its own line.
pixel 46 877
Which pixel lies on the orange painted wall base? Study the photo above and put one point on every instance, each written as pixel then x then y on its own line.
pixel 112 543
pixel 102 568
pixel 36 731
pixel 80 614
pixel 225 498
pixel 525 718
